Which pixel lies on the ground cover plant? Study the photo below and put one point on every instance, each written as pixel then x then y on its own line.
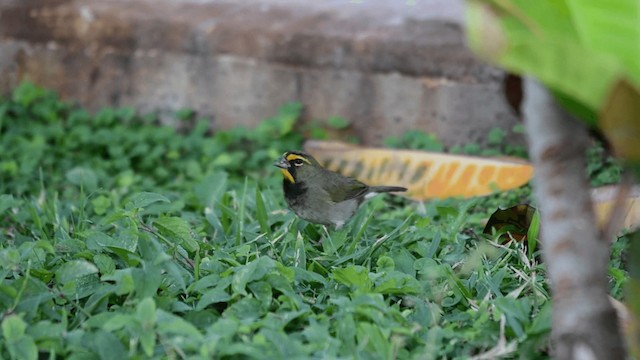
pixel 120 239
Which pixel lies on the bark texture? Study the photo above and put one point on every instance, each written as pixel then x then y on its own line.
pixel 576 255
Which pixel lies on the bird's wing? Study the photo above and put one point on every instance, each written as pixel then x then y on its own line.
pixel 342 188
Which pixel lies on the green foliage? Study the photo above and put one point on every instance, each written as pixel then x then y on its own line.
pixel 323 130
pixel 602 168
pixel 584 52
pixel 123 239
pixel 337 122
pixel 529 38
pixel 415 139
pixel 497 144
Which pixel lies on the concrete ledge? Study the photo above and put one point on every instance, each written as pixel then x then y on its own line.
pixel 386 66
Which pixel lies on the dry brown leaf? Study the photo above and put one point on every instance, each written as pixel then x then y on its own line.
pixel 619 120
pixel 516 220
pixel 427 175
pixel 603 202
pixel 628 325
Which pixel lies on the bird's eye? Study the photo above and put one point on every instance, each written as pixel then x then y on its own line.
pixel 298 162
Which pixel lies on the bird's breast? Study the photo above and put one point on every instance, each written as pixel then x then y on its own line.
pixel 293 191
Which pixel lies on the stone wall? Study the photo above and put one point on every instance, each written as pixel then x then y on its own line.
pixel 386 66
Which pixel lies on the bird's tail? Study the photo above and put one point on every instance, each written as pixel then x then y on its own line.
pixel 384 189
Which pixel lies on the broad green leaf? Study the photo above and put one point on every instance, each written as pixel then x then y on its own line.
pixel 262 291
pixel 168 324
pixel 175 228
pixel 114 216
pixel 309 276
pixel 148 342
pixel 117 322
pixel 207 282
pixel 612 29
pixel 146 315
pixel 82 286
pixel 23 349
pixel 46 330
pixel 123 279
pixel 20 346
pixel 146 312
pixel 395 282
pixel 126 240
pixel 176 276
pixel 107 345
pixel 252 271
pixel 286 272
pixel 213 296
pixel 385 263
pixel 144 199
pixel 147 280
pixel 248 309
pixel 356 277
pixel 373 337
pixel 346 331
pixel 13 328
pixel 75 269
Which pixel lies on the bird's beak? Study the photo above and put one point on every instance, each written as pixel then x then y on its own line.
pixel 282 163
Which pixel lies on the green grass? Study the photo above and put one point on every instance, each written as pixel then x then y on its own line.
pixel 120 238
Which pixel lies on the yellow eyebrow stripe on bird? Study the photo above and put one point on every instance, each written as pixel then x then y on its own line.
pixel 292 157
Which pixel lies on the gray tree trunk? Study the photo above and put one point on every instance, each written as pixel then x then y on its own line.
pixel 576 255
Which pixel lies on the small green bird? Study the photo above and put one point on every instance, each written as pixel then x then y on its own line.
pixel 322 196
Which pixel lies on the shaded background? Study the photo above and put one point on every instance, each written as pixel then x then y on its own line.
pixel 385 66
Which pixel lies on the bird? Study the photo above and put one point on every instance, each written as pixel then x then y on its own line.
pixel 319 195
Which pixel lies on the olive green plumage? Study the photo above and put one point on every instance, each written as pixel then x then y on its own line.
pixel 322 196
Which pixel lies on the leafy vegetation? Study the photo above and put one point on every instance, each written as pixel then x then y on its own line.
pixel 120 238
pixel 529 37
pixel 497 144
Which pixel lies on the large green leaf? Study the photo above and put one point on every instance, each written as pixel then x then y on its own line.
pixel 175 228
pixel 610 27
pixel 75 269
pixel 581 50
pixel 20 345
pixel 144 199
pixel 538 38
